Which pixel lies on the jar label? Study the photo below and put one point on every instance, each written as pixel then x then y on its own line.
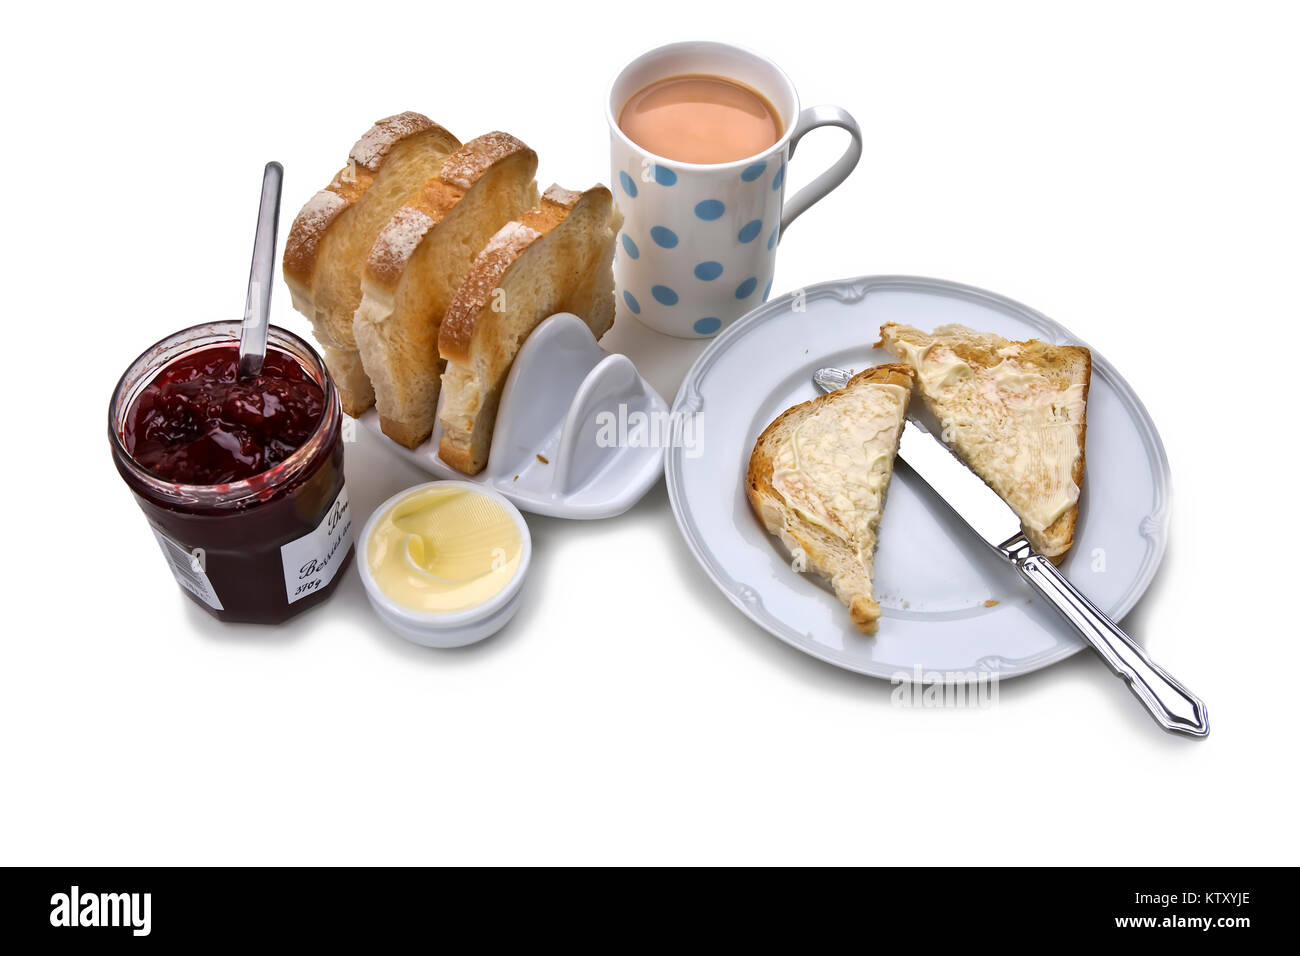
pixel 190 569
pixel 310 561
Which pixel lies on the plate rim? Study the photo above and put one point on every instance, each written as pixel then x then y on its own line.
pixel 1154 528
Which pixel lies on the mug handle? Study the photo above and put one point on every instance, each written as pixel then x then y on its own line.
pixel 810 119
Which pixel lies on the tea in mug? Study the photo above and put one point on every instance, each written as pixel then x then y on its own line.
pixel 701 119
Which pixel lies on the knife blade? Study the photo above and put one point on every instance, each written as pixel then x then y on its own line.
pixel 958 487
pixel 1174 707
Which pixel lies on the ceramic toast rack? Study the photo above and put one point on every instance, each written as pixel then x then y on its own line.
pixel 579 433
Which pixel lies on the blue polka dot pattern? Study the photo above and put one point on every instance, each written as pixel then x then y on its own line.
pixel 664 295
pixel 665 176
pixel 771 240
pixel 767 290
pixel 630 247
pixel 707 326
pixel 629 186
pixel 710 209
pixel 708 271
pixel 749 232
pixel 663 236
pixel 746 288
pixel 753 172
pixel 632 303
pixel 779 178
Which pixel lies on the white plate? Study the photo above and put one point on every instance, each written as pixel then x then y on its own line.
pixel 568 440
pixel 933 576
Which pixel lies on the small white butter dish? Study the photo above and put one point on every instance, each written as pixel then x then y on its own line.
pixel 454 628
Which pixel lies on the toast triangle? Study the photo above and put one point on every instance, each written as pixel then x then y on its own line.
pixel 818 477
pixel 1016 413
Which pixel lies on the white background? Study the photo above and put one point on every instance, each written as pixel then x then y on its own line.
pixel 1128 169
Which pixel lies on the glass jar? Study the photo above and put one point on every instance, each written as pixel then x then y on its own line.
pixel 257 550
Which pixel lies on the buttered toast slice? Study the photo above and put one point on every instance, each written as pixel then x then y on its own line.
pixel 555 258
pixel 417 263
pixel 818 476
pixel 1016 412
pixel 331 238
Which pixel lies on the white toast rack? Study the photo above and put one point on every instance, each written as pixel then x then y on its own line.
pixel 579 433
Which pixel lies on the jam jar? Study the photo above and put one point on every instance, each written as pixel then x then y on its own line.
pixel 241 482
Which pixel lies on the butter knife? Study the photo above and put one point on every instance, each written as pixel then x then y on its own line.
pixel 1173 706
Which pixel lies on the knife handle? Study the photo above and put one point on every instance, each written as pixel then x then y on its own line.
pixel 1173 706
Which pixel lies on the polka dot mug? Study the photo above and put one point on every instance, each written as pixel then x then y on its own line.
pixel 698 244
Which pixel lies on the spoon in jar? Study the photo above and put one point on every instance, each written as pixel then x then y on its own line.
pixel 257 307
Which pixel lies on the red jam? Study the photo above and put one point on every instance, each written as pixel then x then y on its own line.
pixel 242 482
pixel 196 423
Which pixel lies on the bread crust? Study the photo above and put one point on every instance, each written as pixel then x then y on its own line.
pixel 482 331
pixel 1062 528
pixel 308 266
pixel 981 349
pixel 347 186
pixel 761 493
pixel 402 359
pixel 473 300
pixel 398 241
pixel 462 459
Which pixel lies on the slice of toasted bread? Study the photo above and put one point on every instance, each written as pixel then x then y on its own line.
pixel 419 260
pixel 331 238
pixel 1016 412
pixel 554 258
pixel 818 476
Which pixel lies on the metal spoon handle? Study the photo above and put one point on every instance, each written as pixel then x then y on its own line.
pixel 257 307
